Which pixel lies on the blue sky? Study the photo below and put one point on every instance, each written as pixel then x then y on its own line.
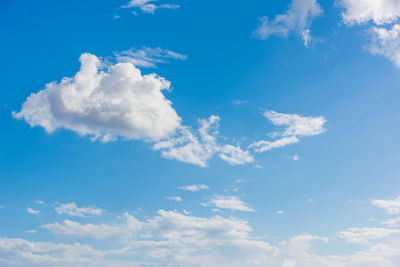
pixel 173 133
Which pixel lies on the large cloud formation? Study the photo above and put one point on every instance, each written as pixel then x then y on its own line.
pixel 105 104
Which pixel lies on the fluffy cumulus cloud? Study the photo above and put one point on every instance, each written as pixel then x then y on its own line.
pixel 72 209
pixel 147 6
pixel 147 57
pixel 297 19
pixel 171 238
pixel 194 187
pixel 386 43
pixel 199 147
pixel 228 202
pixel 362 11
pixel 105 104
pixel 294 127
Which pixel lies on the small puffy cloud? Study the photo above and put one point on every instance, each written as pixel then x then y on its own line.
pixel 280 212
pixel 365 234
pixel 385 43
pixel 176 198
pixel 228 202
pixel 146 6
pixel 194 187
pixel 295 127
pixel 295 157
pixel 32 211
pixel 96 231
pixel 72 209
pixel 297 19
pixel 393 222
pixel 147 57
pixel 104 104
pixel 362 11
pixel 39 202
pixel 389 206
pixel 199 147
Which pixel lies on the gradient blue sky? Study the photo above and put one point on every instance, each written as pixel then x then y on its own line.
pixel 331 199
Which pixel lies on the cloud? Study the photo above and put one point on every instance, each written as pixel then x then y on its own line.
pixel 389 206
pixel 362 11
pixel 31 231
pixel 95 231
pixel 280 212
pixel 365 234
pixel 297 19
pixel 32 211
pixel 239 102
pixel 393 222
pixel 104 104
pixel 39 202
pixel 171 238
pixel 194 187
pixel 295 126
pixel 177 198
pixel 72 209
pixel 385 43
pixel 147 7
pixel 198 148
pixel 147 57
pixel 228 202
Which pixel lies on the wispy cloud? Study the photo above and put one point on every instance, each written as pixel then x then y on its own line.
pixel 176 198
pixel 147 6
pixel 72 209
pixel 32 211
pixel 228 202
pixel 297 19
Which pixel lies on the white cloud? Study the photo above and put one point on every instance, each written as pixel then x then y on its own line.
pixel 40 202
pixel 32 211
pixel 297 19
pixel 262 146
pixel 228 202
pixel 96 231
pixel 386 43
pixel 105 104
pixel 72 209
pixel 393 222
pixel 147 7
pixel 239 102
pixel 361 11
pixel 295 157
pixel 31 231
pixel 295 126
pixel 174 239
pixel 2 207
pixel 280 212
pixel 198 148
pixel 194 187
pixel 147 57
pixel 389 206
pixel 365 234
pixel 176 198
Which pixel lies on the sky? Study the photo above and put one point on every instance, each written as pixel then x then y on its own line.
pixel 200 133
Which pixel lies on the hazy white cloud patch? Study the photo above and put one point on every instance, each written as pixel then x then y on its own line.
pixel 294 127
pixel 389 206
pixel 239 102
pixel 362 11
pixel 365 234
pixel 31 231
pixel 297 19
pixel 96 231
pixel 147 6
pixel 72 209
pixel 175 198
pixel 147 57
pixel 280 212
pixel 32 211
pixel 392 222
pixel 194 187
pixel 228 202
pixel 39 202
